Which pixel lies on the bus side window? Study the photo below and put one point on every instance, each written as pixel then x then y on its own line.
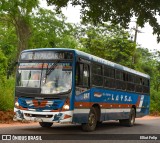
pixel 79 68
pixel 86 75
pixel 82 75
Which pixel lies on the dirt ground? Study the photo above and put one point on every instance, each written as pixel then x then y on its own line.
pixel 12 123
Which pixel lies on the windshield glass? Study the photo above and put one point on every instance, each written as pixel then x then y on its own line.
pixel 52 78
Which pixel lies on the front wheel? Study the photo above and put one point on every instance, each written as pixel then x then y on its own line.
pixel 45 124
pixel 129 122
pixel 92 121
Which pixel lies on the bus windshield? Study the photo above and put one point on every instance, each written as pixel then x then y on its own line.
pixel 52 78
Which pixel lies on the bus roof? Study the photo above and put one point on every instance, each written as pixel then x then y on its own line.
pixel 94 59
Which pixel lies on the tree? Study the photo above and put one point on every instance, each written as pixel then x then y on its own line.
pixel 145 63
pixel 109 42
pixel 8 45
pixel 118 12
pixel 18 12
pixel 3 67
pixel 51 30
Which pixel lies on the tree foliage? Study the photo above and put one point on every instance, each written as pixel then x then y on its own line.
pixel 3 67
pixel 51 30
pixel 109 42
pixel 17 12
pixel 8 45
pixel 118 12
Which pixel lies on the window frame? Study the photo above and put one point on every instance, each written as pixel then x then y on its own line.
pixel 95 74
pixel 80 81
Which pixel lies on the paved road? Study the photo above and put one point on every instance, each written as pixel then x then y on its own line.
pixel 151 127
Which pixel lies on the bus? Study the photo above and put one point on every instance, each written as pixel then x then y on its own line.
pixel 62 85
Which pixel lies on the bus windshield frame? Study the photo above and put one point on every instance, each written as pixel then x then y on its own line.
pixel 49 76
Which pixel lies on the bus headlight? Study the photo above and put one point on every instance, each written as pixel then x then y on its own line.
pixel 16 104
pixel 66 107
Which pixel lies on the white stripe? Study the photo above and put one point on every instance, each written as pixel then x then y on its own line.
pixel 138 110
pixel 81 111
pixel 117 110
pixel 32 109
pixel 104 110
pixel 141 101
pixel 44 113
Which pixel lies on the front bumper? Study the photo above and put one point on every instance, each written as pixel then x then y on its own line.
pixel 59 117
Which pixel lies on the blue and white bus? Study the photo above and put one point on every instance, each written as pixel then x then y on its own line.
pixel 60 85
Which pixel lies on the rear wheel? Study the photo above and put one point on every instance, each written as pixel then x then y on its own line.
pixel 92 121
pixel 45 124
pixel 129 122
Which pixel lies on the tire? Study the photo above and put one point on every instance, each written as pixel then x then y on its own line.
pixel 45 124
pixel 92 121
pixel 129 122
pixel 99 123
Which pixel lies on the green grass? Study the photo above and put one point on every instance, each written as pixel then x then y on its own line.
pixel 7 94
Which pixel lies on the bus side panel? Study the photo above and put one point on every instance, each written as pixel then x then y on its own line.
pixel 82 106
pixel 111 103
pixel 114 105
pixel 143 108
pixel 117 104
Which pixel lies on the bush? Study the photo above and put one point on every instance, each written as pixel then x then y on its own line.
pixel 3 66
pixel 155 102
pixel 7 95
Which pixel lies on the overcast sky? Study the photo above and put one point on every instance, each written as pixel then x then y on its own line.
pixel 146 39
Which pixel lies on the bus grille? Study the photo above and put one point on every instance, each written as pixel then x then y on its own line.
pixel 38 115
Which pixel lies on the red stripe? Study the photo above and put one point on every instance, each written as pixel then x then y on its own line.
pixel 138 102
pixel 67 116
pixel 104 105
pixel 35 103
pixel 43 103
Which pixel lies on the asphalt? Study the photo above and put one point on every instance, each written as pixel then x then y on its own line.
pixel 111 132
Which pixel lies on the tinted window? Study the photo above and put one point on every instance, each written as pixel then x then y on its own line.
pixel 109 82
pixel 86 75
pixel 138 80
pixel 131 78
pixel 82 74
pixel 96 69
pixel 119 75
pixel 145 82
pixel 109 72
pixel 97 80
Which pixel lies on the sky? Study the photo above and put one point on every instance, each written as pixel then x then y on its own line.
pixel 145 39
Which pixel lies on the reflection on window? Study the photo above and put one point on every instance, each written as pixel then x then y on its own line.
pixel 29 78
pixel 57 81
pixel 82 75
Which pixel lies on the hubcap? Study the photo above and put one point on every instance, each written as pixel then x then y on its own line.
pixel 91 119
pixel 132 119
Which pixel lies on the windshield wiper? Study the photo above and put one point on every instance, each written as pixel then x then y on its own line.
pixel 52 67
pixel 29 76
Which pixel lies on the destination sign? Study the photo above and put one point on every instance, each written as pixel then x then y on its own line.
pixel 46 55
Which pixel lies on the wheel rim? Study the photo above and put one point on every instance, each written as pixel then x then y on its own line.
pixel 132 119
pixel 92 120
